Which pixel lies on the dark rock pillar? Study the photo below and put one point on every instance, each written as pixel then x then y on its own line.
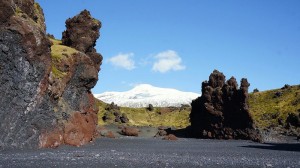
pixel 222 111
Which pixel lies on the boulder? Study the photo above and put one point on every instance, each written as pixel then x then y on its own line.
pixel 161 133
pixel 150 107
pixel 102 131
pixel 277 94
pixel 113 113
pixel 170 137
pixel 255 90
pixel 222 112
pixel 112 107
pixel 110 134
pixel 130 131
pixel 124 118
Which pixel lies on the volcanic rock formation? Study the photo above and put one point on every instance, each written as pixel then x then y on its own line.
pixel 222 111
pixel 77 36
pixel 46 99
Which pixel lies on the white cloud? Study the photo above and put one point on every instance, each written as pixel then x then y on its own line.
pixel 123 61
pixel 167 61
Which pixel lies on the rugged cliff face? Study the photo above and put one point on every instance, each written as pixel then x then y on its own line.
pixel 46 99
pixel 222 111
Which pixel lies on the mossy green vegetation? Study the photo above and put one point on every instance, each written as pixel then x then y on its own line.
pixel 55 41
pixel 144 117
pixel 39 16
pixel 271 108
pixel 18 11
pixel 57 73
pixel 58 53
pixel 101 105
pixel 268 108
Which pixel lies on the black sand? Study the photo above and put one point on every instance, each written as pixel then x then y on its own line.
pixel 151 152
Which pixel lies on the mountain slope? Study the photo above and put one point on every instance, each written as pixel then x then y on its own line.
pixel 272 107
pixel 267 109
pixel 144 94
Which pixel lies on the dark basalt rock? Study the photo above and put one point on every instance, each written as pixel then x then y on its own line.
pixel 222 112
pixel 150 107
pixel 24 69
pixel 113 113
pixel 255 90
pixel 124 118
pixel 277 94
pixel 293 119
pixel 286 86
pixel 34 112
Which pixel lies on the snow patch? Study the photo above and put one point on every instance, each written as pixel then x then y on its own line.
pixel 145 94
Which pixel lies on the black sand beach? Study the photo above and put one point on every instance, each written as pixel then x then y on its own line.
pixel 152 152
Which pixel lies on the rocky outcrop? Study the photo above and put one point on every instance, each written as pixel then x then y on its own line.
pixel 46 99
pixel 222 112
pixel 77 36
pixel 114 114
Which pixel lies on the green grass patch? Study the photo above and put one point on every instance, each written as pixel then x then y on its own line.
pixel 55 41
pixel 57 73
pixel 269 110
pixel 143 117
pixel 59 52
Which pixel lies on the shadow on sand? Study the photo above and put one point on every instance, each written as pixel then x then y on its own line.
pixel 180 133
pixel 294 147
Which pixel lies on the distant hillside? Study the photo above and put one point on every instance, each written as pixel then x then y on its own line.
pixel 271 108
pixel 177 117
pixel 268 108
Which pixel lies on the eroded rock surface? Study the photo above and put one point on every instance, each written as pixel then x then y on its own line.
pixel 46 99
pixel 222 112
pixel 82 33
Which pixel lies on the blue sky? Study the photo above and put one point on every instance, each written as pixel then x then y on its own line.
pixel 177 44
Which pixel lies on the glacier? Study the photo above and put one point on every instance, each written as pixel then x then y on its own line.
pixel 144 94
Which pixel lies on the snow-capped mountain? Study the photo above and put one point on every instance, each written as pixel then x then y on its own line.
pixel 145 94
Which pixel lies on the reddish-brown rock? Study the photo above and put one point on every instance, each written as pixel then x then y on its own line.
pixel 71 88
pixel 52 140
pixel 47 99
pixel 82 33
pixel 130 131
pixel 222 111
pixel 80 129
pixel 170 137
pixel 110 134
